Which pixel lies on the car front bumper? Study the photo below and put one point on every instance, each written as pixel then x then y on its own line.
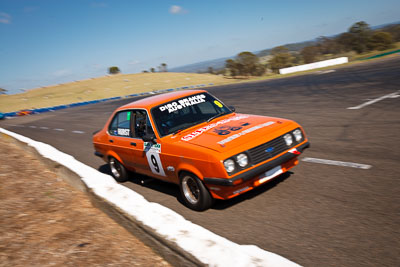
pixel 225 188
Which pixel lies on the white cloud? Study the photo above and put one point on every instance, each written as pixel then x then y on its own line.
pixel 177 10
pixel 62 73
pixel 5 18
pixel 134 62
pixel 97 66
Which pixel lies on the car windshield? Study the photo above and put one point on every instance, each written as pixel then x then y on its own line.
pixel 182 113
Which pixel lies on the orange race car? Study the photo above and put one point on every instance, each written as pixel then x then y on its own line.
pixel 192 139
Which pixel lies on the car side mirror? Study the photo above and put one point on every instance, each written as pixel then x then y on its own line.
pixel 232 108
pixel 149 138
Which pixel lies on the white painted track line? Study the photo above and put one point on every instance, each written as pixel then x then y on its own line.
pixel 45 128
pixel 337 163
pixel 392 95
pixel 324 72
pixel 78 132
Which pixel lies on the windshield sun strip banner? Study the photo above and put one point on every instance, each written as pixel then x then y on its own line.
pixel 182 103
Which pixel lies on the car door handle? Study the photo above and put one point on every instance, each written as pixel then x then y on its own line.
pixel 133 144
pixel 111 141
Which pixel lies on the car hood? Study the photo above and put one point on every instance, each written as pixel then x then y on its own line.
pixel 233 131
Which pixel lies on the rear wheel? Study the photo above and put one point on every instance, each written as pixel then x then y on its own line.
pixel 118 170
pixel 194 193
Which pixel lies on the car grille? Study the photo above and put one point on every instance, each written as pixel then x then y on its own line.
pixel 267 150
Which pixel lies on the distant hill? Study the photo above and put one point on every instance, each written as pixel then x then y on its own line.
pixel 219 63
pixel 382 26
pixel 295 47
pixel 202 67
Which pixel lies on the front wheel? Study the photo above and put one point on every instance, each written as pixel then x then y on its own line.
pixel 118 170
pixel 194 193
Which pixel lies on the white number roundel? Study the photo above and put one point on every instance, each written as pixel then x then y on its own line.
pixel 153 158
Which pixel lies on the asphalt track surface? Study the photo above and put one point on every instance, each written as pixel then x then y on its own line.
pixel 317 215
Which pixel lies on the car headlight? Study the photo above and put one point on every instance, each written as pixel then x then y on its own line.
pixel 288 139
pixel 242 160
pixel 229 165
pixel 297 135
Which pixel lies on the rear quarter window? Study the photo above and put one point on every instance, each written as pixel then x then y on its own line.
pixel 121 124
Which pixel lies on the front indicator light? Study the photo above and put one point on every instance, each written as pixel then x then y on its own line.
pixel 238 181
pixel 229 165
pixel 288 139
pixel 297 135
pixel 242 160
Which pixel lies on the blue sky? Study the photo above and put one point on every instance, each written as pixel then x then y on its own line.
pixel 45 42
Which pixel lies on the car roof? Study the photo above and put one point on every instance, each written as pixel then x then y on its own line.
pixel 152 101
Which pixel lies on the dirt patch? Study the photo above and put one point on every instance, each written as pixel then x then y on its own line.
pixel 45 222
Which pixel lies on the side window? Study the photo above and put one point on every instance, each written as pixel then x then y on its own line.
pixel 120 124
pixel 142 124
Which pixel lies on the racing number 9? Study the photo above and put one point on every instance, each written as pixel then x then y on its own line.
pixel 155 163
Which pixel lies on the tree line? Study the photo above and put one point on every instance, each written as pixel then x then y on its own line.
pixel 360 38
pixel 161 68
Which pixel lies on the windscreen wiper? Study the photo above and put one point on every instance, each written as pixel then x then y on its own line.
pixel 216 116
pixel 183 128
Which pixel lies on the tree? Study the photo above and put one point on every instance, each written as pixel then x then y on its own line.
pixel 360 27
pixel 232 66
pixel 328 46
pixel 113 70
pixel 380 41
pixel 247 63
pixel 220 71
pixel 163 67
pixel 309 54
pixel 280 61
pixel 211 70
pixel 360 33
pixel 394 30
pixel 2 91
pixel 279 50
pixel 281 58
pixel 259 70
pixel 152 70
pixel 345 40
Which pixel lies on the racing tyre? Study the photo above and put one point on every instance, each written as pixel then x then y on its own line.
pixel 194 193
pixel 118 170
